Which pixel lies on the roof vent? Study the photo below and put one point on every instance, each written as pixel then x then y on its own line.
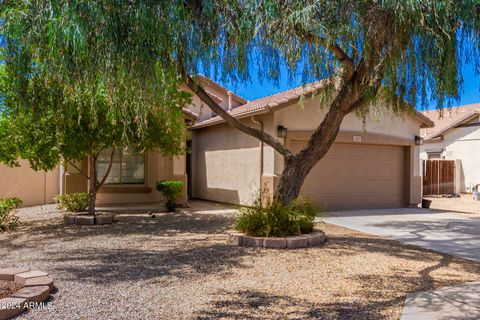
pixel 462 110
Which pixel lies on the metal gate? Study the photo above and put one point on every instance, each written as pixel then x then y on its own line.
pixel 438 177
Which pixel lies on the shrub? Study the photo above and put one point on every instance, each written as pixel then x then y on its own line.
pixel 171 190
pixel 273 219
pixel 9 221
pixel 73 202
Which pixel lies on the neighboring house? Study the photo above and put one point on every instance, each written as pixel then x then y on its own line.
pixel 371 165
pixel 456 136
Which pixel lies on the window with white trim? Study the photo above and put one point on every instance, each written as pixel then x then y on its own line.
pixel 128 166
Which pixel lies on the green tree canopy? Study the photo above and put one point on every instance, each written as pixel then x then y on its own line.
pixel 137 51
pixel 131 43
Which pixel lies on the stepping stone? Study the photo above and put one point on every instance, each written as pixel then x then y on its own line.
pixel 39 281
pixel 11 307
pixel 20 278
pixel 33 294
pixel 7 274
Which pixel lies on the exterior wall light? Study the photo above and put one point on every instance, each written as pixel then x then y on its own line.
pixel 282 132
pixel 418 141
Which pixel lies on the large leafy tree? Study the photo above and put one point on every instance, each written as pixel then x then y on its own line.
pixel 395 50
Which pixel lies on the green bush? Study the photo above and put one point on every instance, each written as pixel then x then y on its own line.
pixel 73 202
pixel 273 219
pixel 9 221
pixel 171 190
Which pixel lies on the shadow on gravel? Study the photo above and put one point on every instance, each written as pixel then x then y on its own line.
pixel 251 304
pixel 31 234
pixel 124 265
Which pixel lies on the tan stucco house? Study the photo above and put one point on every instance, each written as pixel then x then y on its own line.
pixel 133 176
pixel 371 165
pixel 456 136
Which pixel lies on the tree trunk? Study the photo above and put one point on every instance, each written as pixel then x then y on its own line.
pixel 291 181
pixel 92 180
pixel 298 167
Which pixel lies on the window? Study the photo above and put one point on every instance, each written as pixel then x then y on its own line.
pixel 128 166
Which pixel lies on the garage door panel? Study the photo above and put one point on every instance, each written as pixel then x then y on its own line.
pixel 354 176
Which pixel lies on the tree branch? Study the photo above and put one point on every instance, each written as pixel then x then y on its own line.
pixel 108 169
pixel 345 60
pixel 234 122
pixel 338 52
pixel 80 170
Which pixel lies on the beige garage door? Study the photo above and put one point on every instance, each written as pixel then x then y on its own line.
pixel 356 177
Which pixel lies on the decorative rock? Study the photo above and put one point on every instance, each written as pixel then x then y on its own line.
pixel 297 242
pixel 11 307
pixel 104 218
pixel 7 274
pixel 275 243
pixel 84 220
pixel 33 294
pixel 40 281
pixel 21 278
pixel 248 241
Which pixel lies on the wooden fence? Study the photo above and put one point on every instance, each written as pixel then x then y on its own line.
pixel 438 177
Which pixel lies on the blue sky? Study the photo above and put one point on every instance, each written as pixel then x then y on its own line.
pixel 256 89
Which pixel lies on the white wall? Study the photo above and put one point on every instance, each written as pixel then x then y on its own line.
pixel 463 144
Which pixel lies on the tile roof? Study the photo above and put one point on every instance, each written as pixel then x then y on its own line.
pixel 214 84
pixel 451 118
pixel 190 113
pixel 269 102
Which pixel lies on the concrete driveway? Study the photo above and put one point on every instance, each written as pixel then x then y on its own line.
pixel 438 230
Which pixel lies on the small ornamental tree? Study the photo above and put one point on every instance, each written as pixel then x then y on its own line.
pixel 47 121
pixel 395 51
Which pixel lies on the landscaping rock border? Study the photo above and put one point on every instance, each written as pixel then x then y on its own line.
pixel 82 218
pixel 313 239
pixel 35 287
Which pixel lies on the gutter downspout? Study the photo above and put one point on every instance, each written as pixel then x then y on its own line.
pixel 260 123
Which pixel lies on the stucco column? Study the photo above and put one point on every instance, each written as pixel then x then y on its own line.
pixel 413 178
pixel 178 171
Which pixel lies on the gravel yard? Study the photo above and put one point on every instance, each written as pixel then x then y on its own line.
pixel 464 205
pixel 179 266
pixel 6 288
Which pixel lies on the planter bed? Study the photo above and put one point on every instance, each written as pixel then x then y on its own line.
pixel 27 288
pixel 313 239
pixel 83 218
